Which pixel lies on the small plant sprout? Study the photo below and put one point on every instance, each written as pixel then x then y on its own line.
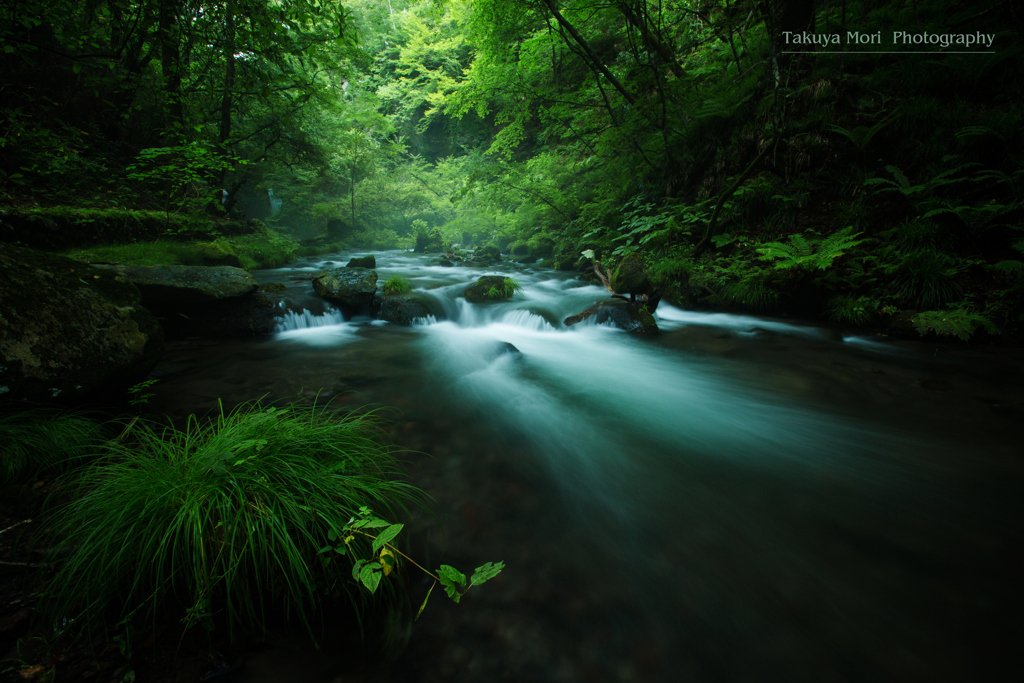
pixel 383 557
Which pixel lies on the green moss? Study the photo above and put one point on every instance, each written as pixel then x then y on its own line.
pixel 262 249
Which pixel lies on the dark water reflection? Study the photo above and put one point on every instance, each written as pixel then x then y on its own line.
pixel 732 500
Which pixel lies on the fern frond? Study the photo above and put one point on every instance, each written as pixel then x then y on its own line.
pixel 958 322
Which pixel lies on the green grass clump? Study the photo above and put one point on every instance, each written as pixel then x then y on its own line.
pixel 223 520
pixel 36 442
pixel 396 285
pixel 507 290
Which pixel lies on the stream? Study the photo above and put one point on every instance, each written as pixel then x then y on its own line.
pixel 733 499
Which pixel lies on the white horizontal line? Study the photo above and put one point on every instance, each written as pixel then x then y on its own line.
pixel 896 52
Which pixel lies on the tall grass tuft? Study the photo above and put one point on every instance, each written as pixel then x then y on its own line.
pixel 223 518
pixel 39 441
pixel 397 285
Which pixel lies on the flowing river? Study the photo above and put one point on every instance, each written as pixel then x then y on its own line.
pixel 733 499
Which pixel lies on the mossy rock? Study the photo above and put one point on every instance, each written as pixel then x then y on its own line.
pixel 188 285
pixel 629 276
pixel 364 262
pixel 216 254
pixel 519 249
pixel 480 291
pixel 352 287
pixel 68 329
pixel 273 287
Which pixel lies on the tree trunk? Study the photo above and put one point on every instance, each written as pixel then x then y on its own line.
pixel 229 83
pixel 589 52
pixel 170 61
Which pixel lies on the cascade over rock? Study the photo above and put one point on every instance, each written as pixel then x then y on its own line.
pixel 68 329
pixel 203 301
pixel 625 315
pixel 352 287
pixel 402 310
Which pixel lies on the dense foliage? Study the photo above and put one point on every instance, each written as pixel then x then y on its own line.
pixel 851 186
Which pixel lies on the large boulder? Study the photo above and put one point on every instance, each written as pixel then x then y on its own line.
pixel 629 277
pixel 364 262
pixel 402 310
pixel 480 291
pixel 68 329
pixel 188 285
pixel 352 287
pixel 203 301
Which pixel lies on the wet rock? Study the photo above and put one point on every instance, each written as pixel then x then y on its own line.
pixel 364 262
pixel 526 260
pixel 442 262
pixel 188 285
pixel 622 314
pixel 479 291
pixel 203 301
pixel 352 287
pixel 629 276
pixel 507 347
pixel 68 329
pixel 519 249
pixel 402 310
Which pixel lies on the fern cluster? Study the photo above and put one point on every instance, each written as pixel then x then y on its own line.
pixel 809 253
pixel 957 322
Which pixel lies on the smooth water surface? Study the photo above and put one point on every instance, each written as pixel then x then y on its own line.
pixel 734 499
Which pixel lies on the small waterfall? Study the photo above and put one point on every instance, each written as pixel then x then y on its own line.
pixel 306 320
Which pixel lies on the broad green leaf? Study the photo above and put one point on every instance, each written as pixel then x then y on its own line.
pixel 386 536
pixel 451 575
pixel 487 571
pixel 370 576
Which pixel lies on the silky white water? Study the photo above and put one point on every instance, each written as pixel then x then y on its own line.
pixel 735 498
